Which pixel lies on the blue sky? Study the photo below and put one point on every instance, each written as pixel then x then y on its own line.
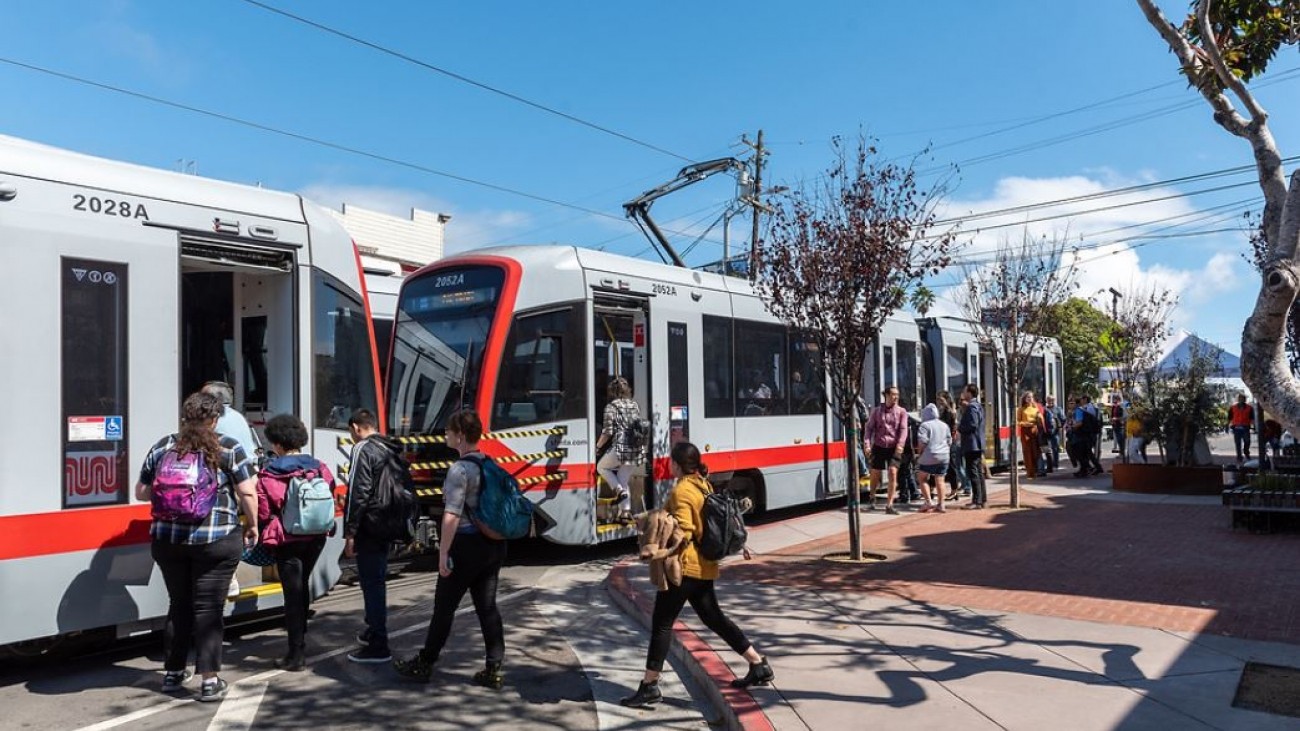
pixel 689 78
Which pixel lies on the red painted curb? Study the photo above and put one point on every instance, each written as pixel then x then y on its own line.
pixel 749 715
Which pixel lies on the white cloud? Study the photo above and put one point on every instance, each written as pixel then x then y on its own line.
pixel 120 37
pixel 468 228
pixel 1099 227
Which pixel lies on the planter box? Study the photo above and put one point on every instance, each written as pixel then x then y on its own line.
pixel 1166 480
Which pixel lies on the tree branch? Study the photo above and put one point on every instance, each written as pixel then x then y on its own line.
pixel 1226 77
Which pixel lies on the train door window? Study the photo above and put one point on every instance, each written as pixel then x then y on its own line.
pixel 760 369
pixel 1034 378
pixel 888 380
pixel 613 353
pixel 955 364
pixel 94 382
pixel 719 394
pixel 679 404
pixel 542 370
pixel 207 329
pixel 807 377
pixel 974 368
pixel 907 395
pixel 342 358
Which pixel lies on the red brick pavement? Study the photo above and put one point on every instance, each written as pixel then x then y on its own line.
pixel 1177 567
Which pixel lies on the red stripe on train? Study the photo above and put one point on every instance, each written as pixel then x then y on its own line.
pixel 66 531
pixel 43 534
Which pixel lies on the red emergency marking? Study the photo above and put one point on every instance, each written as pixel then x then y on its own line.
pixel 638 335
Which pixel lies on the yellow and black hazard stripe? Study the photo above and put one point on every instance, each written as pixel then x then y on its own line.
pixel 514 458
pixel 427 492
pixel 539 479
pixel 429 439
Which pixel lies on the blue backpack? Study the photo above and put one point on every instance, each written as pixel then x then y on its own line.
pixel 503 512
pixel 308 506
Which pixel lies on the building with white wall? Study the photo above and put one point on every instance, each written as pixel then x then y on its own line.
pixel 393 243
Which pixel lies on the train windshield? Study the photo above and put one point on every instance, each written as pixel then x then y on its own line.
pixel 440 332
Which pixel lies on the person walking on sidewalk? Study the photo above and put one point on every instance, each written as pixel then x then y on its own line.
pixel 370 457
pixel 932 441
pixel 971 428
pixel 1240 418
pixel 1053 422
pixel 295 555
pixel 468 561
pixel 885 436
pixel 686 504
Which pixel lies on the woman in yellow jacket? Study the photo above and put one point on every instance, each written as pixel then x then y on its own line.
pixel 1029 419
pixel 686 503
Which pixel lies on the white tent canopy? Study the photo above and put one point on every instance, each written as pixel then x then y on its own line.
pixel 1179 351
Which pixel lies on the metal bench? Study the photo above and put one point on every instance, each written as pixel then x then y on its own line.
pixel 1264 509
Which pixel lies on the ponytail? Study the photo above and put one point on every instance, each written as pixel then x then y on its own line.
pixel 687 458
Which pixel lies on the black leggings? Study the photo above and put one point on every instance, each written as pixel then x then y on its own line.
pixel 668 604
pixel 476 566
pixel 197 578
pixel 294 561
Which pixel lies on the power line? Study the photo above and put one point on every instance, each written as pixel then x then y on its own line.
pixel 462 78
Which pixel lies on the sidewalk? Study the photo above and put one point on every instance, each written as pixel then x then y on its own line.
pixel 1084 610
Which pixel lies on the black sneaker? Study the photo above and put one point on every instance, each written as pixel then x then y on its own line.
pixel 363 637
pixel 490 676
pixel 760 673
pixel 174 680
pixel 646 695
pixel 370 655
pixel 292 662
pixel 213 690
pixel 416 668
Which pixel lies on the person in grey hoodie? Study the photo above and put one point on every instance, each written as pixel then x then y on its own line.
pixel 933 438
pixel 971 429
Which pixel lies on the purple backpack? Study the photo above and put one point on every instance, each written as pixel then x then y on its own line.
pixel 184 489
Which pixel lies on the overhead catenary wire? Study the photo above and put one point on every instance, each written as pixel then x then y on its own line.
pixel 463 79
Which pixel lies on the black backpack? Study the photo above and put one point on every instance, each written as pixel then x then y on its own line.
pixel 724 526
pixel 637 435
pixel 392 511
pixel 1091 424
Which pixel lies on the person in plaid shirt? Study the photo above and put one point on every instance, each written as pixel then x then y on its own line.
pixel 197 560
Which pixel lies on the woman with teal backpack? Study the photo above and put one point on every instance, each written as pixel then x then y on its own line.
pixel 288 474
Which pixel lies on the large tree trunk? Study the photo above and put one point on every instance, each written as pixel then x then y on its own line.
pixel 1264 364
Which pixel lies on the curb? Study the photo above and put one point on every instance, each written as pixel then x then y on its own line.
pixel 739 710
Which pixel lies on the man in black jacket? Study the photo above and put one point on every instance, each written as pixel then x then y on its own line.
pixel 372 452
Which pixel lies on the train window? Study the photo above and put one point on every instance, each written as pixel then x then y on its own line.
pixel 888 380
pixel 719 396
pixel 956 367
pixel 1035 378
pixel 807 377
pixel 760 369
pixel 543 372
pixel 94 373
pixel 341 355
pixel 907 374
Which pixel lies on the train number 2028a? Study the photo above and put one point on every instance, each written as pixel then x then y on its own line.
pixel 108 206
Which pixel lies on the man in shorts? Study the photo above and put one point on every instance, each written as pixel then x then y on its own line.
pixel 885 437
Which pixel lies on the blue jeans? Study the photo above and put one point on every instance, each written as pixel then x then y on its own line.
pixel 1241 438
pixel 372 571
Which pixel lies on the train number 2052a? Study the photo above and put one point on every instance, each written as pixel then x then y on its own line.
pixel 108 206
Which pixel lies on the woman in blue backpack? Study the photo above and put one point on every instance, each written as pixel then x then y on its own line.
pixel 295 555
pixel 196 543
pixel 686 504
pixel 468 561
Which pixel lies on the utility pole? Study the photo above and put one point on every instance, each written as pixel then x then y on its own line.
pixel 755 201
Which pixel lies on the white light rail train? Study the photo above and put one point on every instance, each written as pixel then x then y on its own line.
pixel 124 289
pixel 530 337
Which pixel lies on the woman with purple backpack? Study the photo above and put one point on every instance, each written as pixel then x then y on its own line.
pixel 197 483
pixel 295 550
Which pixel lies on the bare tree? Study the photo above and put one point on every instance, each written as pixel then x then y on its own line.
pixel 1221 46
pixel 1008 302
pixel 840 254
pixel 1136 338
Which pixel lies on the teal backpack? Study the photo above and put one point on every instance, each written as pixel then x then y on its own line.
pixel 308 505
pixel 503 512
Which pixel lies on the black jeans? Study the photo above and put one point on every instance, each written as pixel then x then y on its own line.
pixel 294 561
pixel 668 604
pixel 476 566
pixel 975 476
pixel 197 579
